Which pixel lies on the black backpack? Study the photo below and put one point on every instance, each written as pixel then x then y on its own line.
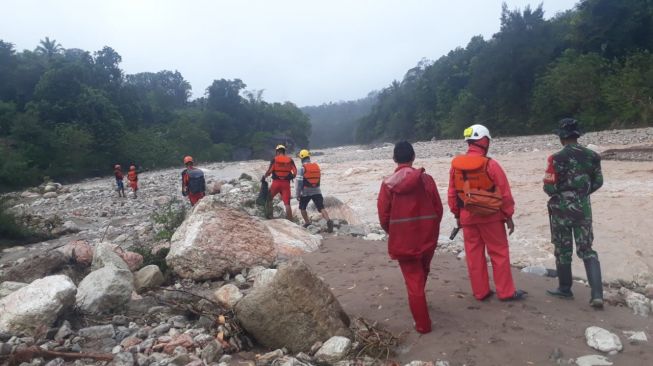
pixel 196 183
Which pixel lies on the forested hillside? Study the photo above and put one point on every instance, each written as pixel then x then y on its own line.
pixel 334 124
pixel 593 62
pixel 70 113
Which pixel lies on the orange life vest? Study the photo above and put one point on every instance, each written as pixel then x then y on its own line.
pixel 282 167
pixel 476 191
pixel 311 175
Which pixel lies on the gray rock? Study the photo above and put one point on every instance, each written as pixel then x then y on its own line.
pixel 211 352
pixel 5 348
pixel 36 305
pixel 180 360
pixel 123 359
pixel 148 277
pixel 56 362
pixel 602 340
pixel 105 290
pixel 305 311
pixel 120 320
pixel 35 267
pixel 536 270
pixel 289 361
pixel 228 295
pixel 264 277
pixel 104 255
pixel 64 331
pixel 160 330
pixel 593 360
pixel 334 349
pixel 8 287
pixel 99 337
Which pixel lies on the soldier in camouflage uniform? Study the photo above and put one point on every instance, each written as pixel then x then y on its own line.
pixel 572 174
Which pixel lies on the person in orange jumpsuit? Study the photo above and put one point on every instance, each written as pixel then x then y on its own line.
pixel 484 228
pixel 282 169
pixel 410 211
pixel 132 177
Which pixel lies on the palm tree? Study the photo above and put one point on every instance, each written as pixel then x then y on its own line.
pixel 49 47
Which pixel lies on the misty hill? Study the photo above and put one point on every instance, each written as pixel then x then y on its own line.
pixel 70 113
pixel 334 124
pixel 593 62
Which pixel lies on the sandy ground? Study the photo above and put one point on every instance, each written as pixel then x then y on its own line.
pixel 465 331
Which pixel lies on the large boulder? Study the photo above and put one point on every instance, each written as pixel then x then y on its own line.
pixel 35 307
pixel 105 290
pixel 8 287
pixel 105 254
pixel 290 239
pixel 35 266
pixel 295 310
pixel 216 239
pixel 80 251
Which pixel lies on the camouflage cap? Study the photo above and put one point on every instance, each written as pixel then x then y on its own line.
pixel 568 127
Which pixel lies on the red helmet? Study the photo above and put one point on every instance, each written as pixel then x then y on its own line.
pixel 188 159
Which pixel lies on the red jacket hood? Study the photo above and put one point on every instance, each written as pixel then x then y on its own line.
pixel 405 179
pixel 475 149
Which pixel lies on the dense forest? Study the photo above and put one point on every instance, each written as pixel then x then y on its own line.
pixel 70 113
pixel 334 124
pixel 593 62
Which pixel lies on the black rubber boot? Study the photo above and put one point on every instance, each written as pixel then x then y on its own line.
pixel 593 270
pixel 564 282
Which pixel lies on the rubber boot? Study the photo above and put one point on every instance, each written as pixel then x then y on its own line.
pixel 564 282
pixel 593 270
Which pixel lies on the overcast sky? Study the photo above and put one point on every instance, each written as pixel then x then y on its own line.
pixel 307 52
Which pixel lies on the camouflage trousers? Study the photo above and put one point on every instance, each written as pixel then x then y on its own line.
pixel 565 233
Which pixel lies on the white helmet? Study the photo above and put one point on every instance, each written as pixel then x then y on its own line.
pixel 476 132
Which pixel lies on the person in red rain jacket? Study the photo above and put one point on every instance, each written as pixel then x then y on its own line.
pixel 410 212
pixel 193 183
pixel 483 232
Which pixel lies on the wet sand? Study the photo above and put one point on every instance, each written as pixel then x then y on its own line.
pixel 465 331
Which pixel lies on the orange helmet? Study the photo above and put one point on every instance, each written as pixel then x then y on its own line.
pixel 132 168
pixel 117 166
pixel 188 159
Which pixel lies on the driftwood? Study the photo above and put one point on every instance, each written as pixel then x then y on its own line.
pixel 30 353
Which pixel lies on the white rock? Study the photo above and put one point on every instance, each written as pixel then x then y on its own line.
pixel 290 239
pixel 50 188
pixel 636 301
pixel 105 290
pixel 264 277
pixel 49 195
pixel 374 237
pixel 602 340
pixel 333 350
pixel 28 194
pixel 36 305
pixel 8 287
pixel 228 295
pixel 536 270
pixel 635 337
pixel 419 363
pixel 148 277
pixel 104 255
pixel 593 360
